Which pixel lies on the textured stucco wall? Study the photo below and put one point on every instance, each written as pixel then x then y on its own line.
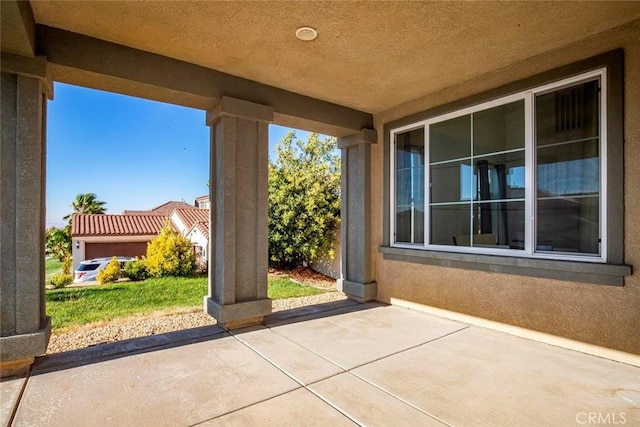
pixel 328 266
pixel 602 315
pixel 368 55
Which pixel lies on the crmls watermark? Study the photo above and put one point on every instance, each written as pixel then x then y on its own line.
pixel 613 418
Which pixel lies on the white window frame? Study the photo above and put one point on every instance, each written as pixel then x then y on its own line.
pixel 528 96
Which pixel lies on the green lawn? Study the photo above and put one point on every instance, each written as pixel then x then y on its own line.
pixel 281 287
pixel 52 266
pixel 78 306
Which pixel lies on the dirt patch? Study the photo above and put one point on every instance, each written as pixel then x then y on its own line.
pixel 307 276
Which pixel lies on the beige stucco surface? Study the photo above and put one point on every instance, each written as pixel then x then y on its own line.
pixel 369 56
pixel 603 315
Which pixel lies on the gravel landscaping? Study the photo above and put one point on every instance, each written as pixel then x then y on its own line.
pixel 161 322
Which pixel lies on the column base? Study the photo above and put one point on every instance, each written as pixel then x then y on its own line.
pixel 17 352
pixel 16 368
pixel 361 292
pixel 238 315
pixel 244 323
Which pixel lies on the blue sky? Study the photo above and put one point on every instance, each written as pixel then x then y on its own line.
pixel 133 153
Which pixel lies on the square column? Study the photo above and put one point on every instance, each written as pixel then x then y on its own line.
pixel 238 190
pixel 25 328
pixel 358 272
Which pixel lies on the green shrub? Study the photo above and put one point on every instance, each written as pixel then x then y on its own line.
pixel 170 254
pixel 60 280
pixel 111 272
pixel 304 200
pixel 136 270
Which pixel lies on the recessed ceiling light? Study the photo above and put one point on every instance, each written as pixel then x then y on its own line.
pixel 306 34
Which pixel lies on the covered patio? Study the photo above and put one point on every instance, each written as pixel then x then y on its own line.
pixel 536 323
pixel 341 363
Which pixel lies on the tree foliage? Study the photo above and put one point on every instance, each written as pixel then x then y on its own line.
pixel 304 200
pixel 57 242
pixel 86 203
pixel 170 254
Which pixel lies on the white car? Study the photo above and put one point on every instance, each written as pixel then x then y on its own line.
pixel 87 271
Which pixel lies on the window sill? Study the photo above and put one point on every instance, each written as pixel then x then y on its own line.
pixel 573 271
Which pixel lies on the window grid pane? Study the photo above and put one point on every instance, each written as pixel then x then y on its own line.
pixel 568 170
pixel 492 171
pixel 409 211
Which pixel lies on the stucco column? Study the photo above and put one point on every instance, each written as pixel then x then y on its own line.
pixel 357 279
pixel 238 251
pixel 25 328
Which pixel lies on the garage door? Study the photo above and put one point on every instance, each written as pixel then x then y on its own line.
pixel 99 250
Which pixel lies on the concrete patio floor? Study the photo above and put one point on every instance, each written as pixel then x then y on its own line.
pixel 333 364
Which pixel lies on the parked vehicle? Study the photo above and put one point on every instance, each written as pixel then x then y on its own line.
pixel 88 270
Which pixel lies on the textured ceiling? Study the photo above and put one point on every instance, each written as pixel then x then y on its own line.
pixel 369 56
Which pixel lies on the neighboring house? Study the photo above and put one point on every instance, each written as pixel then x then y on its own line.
pixel 128 234
pixel 202 202
pixel 198 234
pixel 193 224
pixel 102 235
pixel 184 219
pixel 164 209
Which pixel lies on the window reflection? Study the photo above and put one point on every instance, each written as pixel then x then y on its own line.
pixel 478 158
pixel 410 186
pixel 478 168
pixel 568 170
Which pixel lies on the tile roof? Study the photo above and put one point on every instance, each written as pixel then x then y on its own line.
pixel 191 216
pixel 203 227
pixel 141 213
pixel 167 208
pixel 164 209
pixel 116 225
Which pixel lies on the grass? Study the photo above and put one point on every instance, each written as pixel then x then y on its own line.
pixel 52 266
pixel 281 287
pixel 78 306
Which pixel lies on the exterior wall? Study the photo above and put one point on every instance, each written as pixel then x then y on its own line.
pixel 131 249
pixel 328 266
pixel 77 253
pixel 178 223
pixel 596 314
pixel 200 245
pixel 198 239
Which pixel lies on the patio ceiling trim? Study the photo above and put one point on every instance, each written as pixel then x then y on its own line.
pixel 87 61
pixel 18 28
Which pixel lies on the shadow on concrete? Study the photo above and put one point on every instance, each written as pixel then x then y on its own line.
pixel 316 311
pixel 115 350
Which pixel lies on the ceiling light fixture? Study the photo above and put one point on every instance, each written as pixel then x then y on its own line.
pixel 306 34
